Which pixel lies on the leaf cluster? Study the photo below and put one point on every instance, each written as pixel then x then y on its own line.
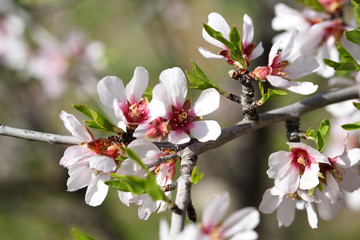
pixel 319 135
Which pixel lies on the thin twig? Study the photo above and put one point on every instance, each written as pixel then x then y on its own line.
pixel 163 159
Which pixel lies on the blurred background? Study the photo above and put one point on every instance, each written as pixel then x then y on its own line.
pixel 53 53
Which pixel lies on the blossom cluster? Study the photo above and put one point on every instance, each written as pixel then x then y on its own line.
pixel 308 179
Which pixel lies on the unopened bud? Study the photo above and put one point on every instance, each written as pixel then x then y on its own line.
pixel 233 73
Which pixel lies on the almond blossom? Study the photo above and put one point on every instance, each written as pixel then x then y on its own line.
pixel 298 168
pixel 218 23
pixel 183 118
pixel 89 163
pixel 287 64
pixel 129 106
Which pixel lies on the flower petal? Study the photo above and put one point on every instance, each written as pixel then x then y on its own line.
pixel 136 87
pixel 311 215
pixel 79 177
pixel 178 137
pixel 240 221
pixel 110 88
pixel 218 23
pixel 214 210
pixel 247 235
pixel 257 51
pixel 286 212
pixel 75 155
pixel 269 202
pixel 97 190
pixel 302 66
pixel 248 30
pixel 208 102
pixel 73 126
pixel 310 178
pixel 102 163
pixel 205 130
pixel 207 54
pixel 174 81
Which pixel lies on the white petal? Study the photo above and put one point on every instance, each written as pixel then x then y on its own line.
pixel 289 180
pixel 273 52
pixel 311 215
pixel 178 137
pixel 326 210
pixel 310 178
pixel 241 220
pixel 205 130
pixel 215 210
pixel 146 150
pixel 286 18
pixel 257 51
pixel 75 155
pixel 304 88
pixel 248 30
pixel 110 88
pixel 286 212
pixel 97 190
pixel 247 235
pixel 161 97
pixel 73 126
pixel 118 112
pixel 218 23
pixel 269 202
pixel 302 66
pixel 277 81
pixel 208 102
pixel 207 54
pixel 174 81
pixel 79 177
pixel 164 230
pixel 354 156
pixel 277 162
pixel 136 87
pixel 102 163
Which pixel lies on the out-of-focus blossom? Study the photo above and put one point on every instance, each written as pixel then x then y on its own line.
pixel 298 168
pixel 332 6
pixel 218 23
pixel 287 64
pixel 183 119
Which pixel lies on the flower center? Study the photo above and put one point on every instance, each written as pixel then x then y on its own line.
pixel 182 117
pixel 301 158
pixel 136 112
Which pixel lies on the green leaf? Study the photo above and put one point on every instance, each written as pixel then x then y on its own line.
pixel 99 121
pixel 148 93
pixel 136 158
pixel 357 105
pixel 78 235
pixel 320 187
pixel 310 133
pixel 320 141
pixel 344 54
pixel 356 11
pixel 331 63
pixel 261 88
pixel 314 4
pixel 311 191
pixel 348 63
pixel 153 189
pixel 353 36
pixel 270 94
pixel 351 126
pixel 218 36
pixel 235 38
pixel 200 80
pixel 324 127
pixel 196 176
pixel 133 184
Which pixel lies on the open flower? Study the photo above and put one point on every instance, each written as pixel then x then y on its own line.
pixel 298 168
pixel 89 163
pixel 286 64
pixel 218 23
pixel 129 106
pixel 183 119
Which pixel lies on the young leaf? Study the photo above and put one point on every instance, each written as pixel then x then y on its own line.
pixel 353 36
pixel 133 184
pixel 196 176
pixel 148 93
pixel 235 38
pixel 136 158
pixel 311 191
pixel 324 127
pixel 99 121
pixel 320 141
pixel 78 235
pixel 356 11
pixel 357 105
pixel 270 94
pixel 310 133
pixel 314 4
pixel 351 126
pixel 153 189
pixel 218 36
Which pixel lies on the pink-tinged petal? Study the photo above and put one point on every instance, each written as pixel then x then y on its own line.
pixel 287 51
pixel 174 81
pixel 289 180
pixel 208 102
pixel 311 215
pixel 75 155
pixel 207 54
pixel 178 137
pixel 273 52
pixel 310 39
pixel 79 177
pixel 218 23
pixel 206 130
pixel 278 163
pixel 318 156
pixel 326 210
pixel 286 212
pixel 110 88
pixel 310 178
pixel 136 87
pixel 277 81
pixel 102 163
pixel 156 109
pixel 327 50
pixel 146 150
pixel 97 190
pixel 73 126
pixel 286 18
pixel 257 51
pixel 248 30
pixel 302 66
pixel 214 210
pixel 161 99
pixel 191 232
pixel 269 202
pixel 118 112
pixel 240 221
pixel 247 235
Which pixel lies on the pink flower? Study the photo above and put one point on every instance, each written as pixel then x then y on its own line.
pixel 286 203
pixel 218 23
pixel 88 165
pixel 128 104
pixel 285 65
pixel 298 168
pixel 183 119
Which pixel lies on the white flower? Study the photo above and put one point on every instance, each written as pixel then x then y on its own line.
pixel 218 23
pixel 298 168
pixel 183 119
